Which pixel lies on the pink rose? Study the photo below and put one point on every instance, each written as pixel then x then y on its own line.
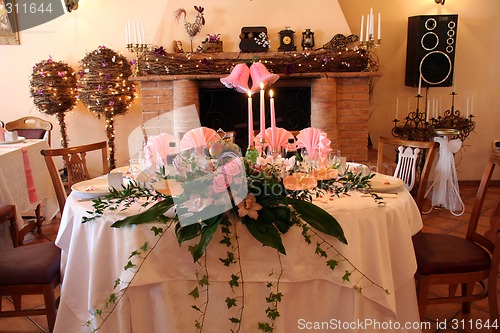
pixel 232 168
pixel 221 182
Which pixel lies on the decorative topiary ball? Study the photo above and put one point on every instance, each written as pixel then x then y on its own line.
pixel 53 87
pixel 103 84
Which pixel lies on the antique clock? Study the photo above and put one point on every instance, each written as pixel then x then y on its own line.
pixel 287 40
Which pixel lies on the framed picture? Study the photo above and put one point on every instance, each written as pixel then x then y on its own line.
pixel 9 34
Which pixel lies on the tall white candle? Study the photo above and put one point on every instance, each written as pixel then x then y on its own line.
pixel 126 34
pixel 472 105
pixel 427 110
pixel 419 84
pixel 367 27
pixel 135 33
pixel 139 40
pixel 142 33
pixel 371 21
pixel 378 27
pixel 250 120
pixel 262 113
pixel 467 106
pixel 397 107
pixel 361 29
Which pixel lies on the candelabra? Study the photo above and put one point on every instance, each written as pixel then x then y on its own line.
pixel 370 43
pixel 419 127
pixel 138 49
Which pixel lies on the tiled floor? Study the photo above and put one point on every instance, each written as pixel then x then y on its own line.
pixel 441 221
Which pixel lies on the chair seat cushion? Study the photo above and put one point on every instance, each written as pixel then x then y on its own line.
pixel 445 254
pixel 31 264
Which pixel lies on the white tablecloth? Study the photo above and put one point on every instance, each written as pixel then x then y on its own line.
pixel 13 183
pixel 379 245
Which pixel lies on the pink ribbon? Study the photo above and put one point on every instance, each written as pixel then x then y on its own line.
pixel 29 177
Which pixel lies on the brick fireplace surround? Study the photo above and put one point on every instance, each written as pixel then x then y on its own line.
pixel 339 102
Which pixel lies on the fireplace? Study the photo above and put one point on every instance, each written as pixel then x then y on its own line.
pixel 338 102
pixel 227 109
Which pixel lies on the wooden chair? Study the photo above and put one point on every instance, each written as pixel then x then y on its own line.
pixel 414 163
pixel 31 128
pixel 76 165
pixel 469 261
pixel 8 214
pixel 28 270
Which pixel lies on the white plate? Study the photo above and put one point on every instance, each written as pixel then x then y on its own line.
pixel 384 183
pixel 19 139
pixel 92 188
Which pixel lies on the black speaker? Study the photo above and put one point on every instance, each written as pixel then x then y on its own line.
pixel 430 50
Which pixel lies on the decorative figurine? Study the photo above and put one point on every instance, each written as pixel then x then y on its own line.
pixel 307 39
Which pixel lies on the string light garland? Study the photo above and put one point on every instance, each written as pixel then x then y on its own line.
pixel 103 86
pixel 54 92
pixel 157 61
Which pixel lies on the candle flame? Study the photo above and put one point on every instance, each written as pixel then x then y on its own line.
pixel 261 85
pixel 271 93
pixel 249 92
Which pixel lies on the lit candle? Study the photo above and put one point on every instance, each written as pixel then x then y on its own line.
pixel 273 118
pixel 397 106
pixel 419 84
pixel 378 28
pixel 273 114
pixel 361 30
pixel 262 113
pixel 250 120
pixel 142 33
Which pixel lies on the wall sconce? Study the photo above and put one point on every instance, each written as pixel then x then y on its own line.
pixel 440 1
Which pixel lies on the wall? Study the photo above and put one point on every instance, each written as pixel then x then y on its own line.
pixel 476 70
pixel 98 22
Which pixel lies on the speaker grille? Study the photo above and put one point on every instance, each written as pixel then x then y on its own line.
pixel 431 50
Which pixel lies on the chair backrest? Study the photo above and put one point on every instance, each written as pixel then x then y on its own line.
pixel 31 128
pixel 75 163
pixel 411 169
pixel 492 235
pixel 406 167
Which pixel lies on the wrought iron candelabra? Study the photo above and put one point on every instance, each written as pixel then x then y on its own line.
pixel 138 49
pixel 419 127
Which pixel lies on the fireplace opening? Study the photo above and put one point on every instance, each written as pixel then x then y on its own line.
pixel 228 110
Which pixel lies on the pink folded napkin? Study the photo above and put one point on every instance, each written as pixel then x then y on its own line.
pixel 198 138
pixel 274 138
pixel 158 148
pixel 313 140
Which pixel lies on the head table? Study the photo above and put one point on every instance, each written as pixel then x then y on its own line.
pixel 379 236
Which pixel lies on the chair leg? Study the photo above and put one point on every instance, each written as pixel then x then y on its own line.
pixel 50 306
pixel 16 299
pixel 422 293
pixel 39 219
pixel 493 302
pixel 467 289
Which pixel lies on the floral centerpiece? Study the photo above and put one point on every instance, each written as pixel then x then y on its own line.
pixel 209 188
